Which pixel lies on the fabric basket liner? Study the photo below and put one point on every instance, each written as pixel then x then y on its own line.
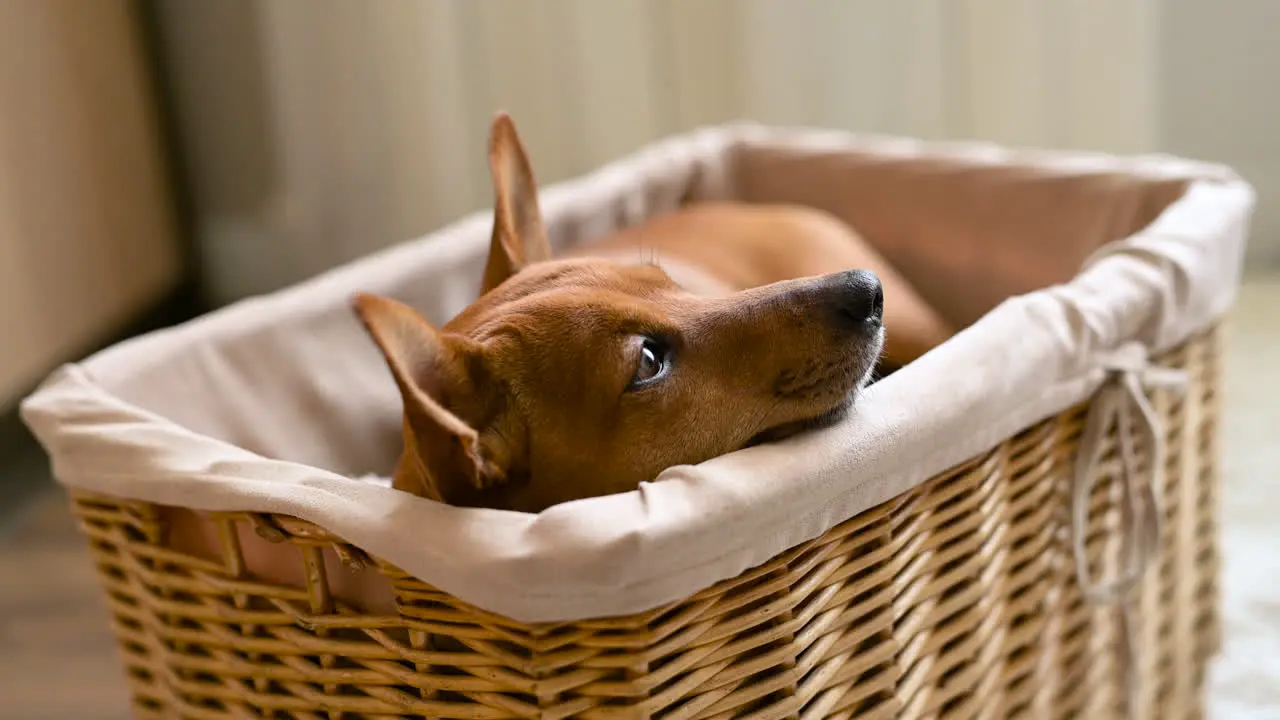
pixel 1050 260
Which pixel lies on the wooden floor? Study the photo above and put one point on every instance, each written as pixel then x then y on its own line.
pixel 57 656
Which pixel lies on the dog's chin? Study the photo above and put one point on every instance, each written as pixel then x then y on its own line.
pixel 831 416
pixel 858 377
pixel 824 419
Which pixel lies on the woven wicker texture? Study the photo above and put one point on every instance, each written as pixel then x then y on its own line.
pixel 958 599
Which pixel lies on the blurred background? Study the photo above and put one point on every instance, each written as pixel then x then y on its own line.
pixel 159 158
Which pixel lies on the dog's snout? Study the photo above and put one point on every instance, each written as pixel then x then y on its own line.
pixel 859 297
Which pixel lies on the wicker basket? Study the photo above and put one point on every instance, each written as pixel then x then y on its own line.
pixel 960 597
pixel 955 600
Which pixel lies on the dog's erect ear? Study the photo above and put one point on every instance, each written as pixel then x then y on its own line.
pixel 444 457
pixel 519 238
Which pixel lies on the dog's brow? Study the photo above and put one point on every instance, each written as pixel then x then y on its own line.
pixel 526 284
pixel 500 328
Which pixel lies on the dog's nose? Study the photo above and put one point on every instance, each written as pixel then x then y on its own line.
pixel 859 298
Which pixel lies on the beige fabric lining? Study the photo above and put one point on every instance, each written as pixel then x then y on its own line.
pixel 275 403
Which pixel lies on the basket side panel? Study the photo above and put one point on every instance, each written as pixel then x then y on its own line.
pixel 1177 608
pixel 114 531
pixel 979 595
pixel 810 630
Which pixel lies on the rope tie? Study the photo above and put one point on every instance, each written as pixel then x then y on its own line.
pixel 1123 392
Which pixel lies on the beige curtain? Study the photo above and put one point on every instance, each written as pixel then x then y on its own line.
pixel 338 127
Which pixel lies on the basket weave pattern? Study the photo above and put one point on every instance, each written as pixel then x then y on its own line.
pixel 957 599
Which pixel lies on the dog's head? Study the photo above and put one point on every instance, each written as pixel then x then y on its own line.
pixel 581 377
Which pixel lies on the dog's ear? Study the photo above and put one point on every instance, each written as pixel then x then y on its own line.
pixel 444 459
pixel 519 238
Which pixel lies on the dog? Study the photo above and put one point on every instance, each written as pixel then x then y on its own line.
pixel 702 331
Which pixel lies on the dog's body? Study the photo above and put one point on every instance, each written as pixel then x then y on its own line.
pixel 692 335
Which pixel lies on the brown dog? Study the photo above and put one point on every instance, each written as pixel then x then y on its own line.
pixel 589 374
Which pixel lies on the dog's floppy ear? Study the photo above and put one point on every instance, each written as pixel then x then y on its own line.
pixel 444 457
pixel 519 238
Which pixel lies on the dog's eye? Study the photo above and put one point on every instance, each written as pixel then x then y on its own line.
pixel 653 363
